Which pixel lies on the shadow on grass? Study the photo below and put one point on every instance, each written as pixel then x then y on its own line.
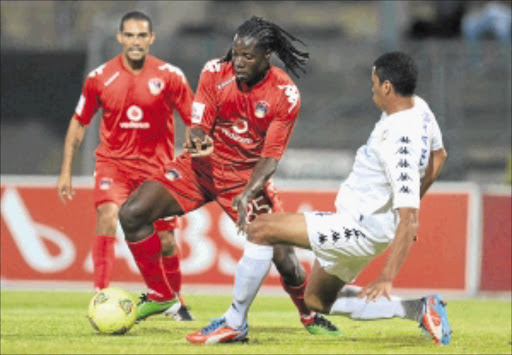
pixel 391 341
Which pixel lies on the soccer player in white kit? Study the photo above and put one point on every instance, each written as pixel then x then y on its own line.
pixel 377 207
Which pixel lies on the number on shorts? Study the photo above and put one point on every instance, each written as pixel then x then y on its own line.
pixel 256 207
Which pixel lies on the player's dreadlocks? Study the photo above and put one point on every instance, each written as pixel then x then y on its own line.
pixel 273 37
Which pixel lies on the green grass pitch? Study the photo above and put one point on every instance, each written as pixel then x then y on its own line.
pixel 46 322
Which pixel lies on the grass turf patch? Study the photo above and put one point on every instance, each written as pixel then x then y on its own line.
pixel 46 322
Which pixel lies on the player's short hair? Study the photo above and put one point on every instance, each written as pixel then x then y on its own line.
pixel 135 15
pixel 271 36
pixel 401 71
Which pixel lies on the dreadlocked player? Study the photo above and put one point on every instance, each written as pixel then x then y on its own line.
pixel 242 119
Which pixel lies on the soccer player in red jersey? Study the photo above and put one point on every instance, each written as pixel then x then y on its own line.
pixel 242 119
pixel 138 94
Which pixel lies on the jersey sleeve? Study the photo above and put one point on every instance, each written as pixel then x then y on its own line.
pixel 203 106
pixel 400 156
pixel 280 129
pixel 88 103
pixel 181 94
pixel 437 138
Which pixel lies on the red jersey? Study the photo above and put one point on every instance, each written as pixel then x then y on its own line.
pixel 138 118
pixel 245 125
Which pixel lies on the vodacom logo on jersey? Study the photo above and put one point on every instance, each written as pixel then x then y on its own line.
pixel 240 126
pixel 135 115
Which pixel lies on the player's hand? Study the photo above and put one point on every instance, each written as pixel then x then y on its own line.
pixel 188 147
pixel 241 205
pixel 375 290
pixel 203 148
pixel 64 188
pixel 197 143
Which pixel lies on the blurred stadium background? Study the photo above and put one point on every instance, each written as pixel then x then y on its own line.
pixel 464 246
pixel 47 48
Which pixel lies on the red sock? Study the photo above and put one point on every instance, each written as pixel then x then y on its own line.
pixel 103 260
pixel 146 253
pixel 297 295
pixel 172 271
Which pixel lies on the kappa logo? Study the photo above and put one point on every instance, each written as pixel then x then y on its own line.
pixel 292 94
pixel 403 151
pixel 405 190
pixel 403 163
pixel 423 158
pixel 156 85
pixel 111 79
pixel 224 83
pixel 404 177
pixel 322 238
pixel 352 232
pixel 97 71
pixel 212 66
pixel 261 109
pixel 172 69
pixel 80 106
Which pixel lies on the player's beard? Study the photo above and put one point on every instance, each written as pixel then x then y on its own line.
pixel 138 63
pixel 256 78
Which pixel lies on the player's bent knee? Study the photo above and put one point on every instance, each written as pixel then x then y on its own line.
pixel 258 231
pixel 131 217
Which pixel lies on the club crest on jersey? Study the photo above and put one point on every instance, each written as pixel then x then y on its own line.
pixel 105 183
pixel 172 174
pixel 261 109
pixel 156 85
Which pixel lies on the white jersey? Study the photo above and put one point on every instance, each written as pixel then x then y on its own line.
pixel 387 170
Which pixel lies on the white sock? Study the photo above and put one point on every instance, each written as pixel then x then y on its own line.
pixel 250 273
pixel 349 304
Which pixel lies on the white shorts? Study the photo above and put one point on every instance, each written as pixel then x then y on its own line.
pixel 343 246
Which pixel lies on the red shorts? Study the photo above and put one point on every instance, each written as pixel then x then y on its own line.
pixel 195 182
pixel 114 181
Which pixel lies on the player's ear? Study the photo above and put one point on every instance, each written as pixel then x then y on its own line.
pixel 388 87
pixel 152 38
pixel 119 37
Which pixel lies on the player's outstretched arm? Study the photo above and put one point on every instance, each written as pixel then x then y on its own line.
pixel 435 164
pixel 74 137
pixel 404 237
pixel 262 171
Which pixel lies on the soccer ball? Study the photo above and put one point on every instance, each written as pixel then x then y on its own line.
pixel 112 311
